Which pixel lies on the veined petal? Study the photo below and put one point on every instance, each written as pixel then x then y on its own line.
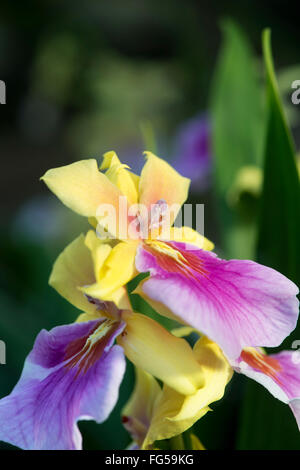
pixel 73 373
pixel 174 413
pixel 236 303
pixel 159 181
pixel 138 411
pixel 279 373
pixel 82 187
pixel 152 348
pixel 120 176
pixel 157 306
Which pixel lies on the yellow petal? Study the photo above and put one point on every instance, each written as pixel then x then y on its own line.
pixel 120 176
pixel 120 265
pixel 82 187
pixel 152 348
pixel 117 270
pixel 164 424
pixel 93 222
pixel 137 413
pixel 118 296
pixel 72 269
pixel 88 317
pixel 99 251
pixel 196 443
pixel 176 412
pixel 159 181
pixel 182 331
pixel 217 372
pixel 189 235
pixel 136 181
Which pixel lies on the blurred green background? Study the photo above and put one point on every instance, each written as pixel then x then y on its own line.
pixel 85 78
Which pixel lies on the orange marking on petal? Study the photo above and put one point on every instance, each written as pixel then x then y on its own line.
pixel 263 363
pixel 84 352
pixel 187 264
pixel 75 346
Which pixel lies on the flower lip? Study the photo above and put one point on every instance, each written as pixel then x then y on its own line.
pixel 237 303
pixel 42 411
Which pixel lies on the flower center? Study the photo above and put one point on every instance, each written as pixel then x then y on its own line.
pixel 82 353
pixel 106 307
pixel 149 224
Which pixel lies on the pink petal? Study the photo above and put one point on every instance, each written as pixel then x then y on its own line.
pixel 236 303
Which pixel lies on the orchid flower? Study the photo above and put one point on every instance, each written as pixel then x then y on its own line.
pixel 146 343
pixel 153 413
pixel 236 303
pixel 74 371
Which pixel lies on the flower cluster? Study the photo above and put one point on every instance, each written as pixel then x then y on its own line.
pixel 235 307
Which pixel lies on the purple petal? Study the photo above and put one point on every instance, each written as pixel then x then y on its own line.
pixel 236 303
pixel 73 373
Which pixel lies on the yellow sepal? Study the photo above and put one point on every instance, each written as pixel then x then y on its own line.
pixel 82 187
pixel 120 176
pixel 196 443
pixel 159 181
pixel 188 235
pixel 99 251
pixel 152 348
pixel 74 268
pixel 117 269
pixel 138 411
pixel 83 317
pixel 175 412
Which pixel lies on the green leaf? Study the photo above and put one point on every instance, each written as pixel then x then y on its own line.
pixel 237 108
pixel 278 243
pixel 285 79
pixel 238 131
pixel 266 423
